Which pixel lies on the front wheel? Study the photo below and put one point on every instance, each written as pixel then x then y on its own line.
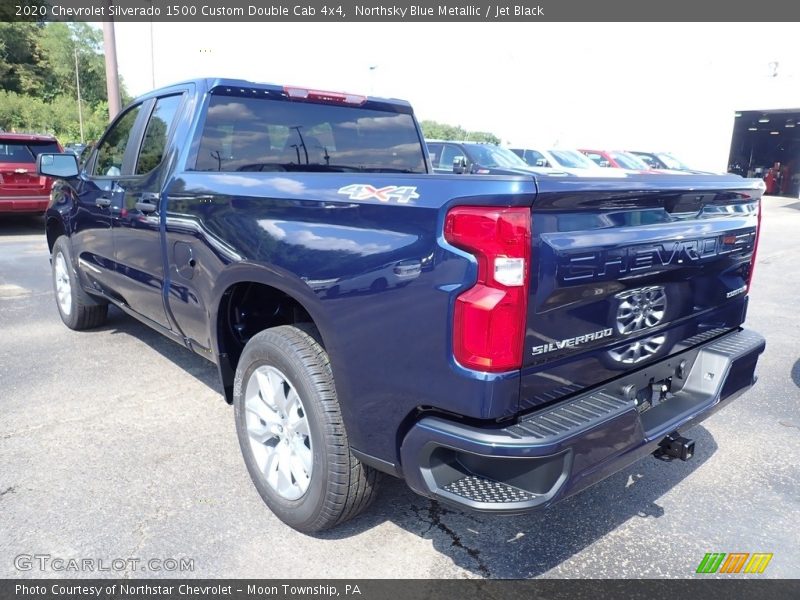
pixel 78 309
pixel 291 432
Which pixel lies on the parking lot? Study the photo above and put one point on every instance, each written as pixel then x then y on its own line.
pixel 116 443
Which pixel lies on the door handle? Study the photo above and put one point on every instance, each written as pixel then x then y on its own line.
pixel 103 202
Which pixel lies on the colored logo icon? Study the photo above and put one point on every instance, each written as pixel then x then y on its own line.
pixel 737 562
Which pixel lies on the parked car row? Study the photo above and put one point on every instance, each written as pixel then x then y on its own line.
pixel 21 190
pixel 480 158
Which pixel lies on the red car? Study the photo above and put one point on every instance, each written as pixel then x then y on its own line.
pixel 617 160
pixel 21 189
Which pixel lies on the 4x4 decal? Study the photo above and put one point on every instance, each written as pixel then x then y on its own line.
pixel 402 194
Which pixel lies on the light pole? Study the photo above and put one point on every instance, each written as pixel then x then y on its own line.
pixel 78 86
pixel 372 79
pixel 152 54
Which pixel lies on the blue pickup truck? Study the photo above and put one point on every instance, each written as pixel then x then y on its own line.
pixel 498 342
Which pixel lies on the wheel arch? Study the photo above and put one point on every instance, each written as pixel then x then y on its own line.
pixel 268 297
pixel 54 228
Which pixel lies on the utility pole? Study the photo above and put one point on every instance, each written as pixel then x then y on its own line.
pixel 78 86
pixel 152 53
pixel 372 79
pixel 112 74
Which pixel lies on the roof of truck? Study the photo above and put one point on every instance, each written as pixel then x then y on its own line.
pixel 242 85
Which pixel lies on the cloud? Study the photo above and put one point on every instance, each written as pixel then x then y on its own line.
pixel 313 241
pixel 281 230
pixel 281 184
pixel 230 111
pixel 289 186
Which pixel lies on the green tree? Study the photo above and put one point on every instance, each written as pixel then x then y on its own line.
pixel 58 44
pixel 434 130
pixel 21 70
pixel 38 90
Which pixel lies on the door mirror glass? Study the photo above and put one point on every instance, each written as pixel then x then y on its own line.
pixel 62 166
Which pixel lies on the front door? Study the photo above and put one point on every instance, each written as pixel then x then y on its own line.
pixel 98 204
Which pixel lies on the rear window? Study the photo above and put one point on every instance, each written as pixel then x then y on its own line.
pixel 261 134
pixel 23 151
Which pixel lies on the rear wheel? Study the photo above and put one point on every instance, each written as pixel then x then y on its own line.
pixel 78 309
pixel 291 432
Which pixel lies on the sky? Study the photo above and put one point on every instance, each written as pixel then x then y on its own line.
pixel 638 86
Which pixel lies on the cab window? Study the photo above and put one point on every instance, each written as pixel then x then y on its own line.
pixel 112 148
pixel 155 135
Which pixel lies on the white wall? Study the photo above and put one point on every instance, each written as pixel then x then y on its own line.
pixel 662 86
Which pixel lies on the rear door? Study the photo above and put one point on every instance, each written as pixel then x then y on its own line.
pixel 137 235
pixel 628 272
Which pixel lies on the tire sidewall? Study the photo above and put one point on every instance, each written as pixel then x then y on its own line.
pixel 275 351
pixel 62 246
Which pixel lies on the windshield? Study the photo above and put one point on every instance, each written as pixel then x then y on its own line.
pixel 487 155
pixel 628 161
pixel 572 159
pixel 672 162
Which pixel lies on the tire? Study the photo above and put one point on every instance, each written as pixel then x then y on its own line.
pixel 78 309
pixel 272 436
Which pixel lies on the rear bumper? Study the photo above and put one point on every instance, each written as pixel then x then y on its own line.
pixel 24 204
pixel 559 450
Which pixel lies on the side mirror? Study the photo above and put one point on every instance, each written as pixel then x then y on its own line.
pixel 62 166
pixel 540 162
pixel 605 163
pixel 459 165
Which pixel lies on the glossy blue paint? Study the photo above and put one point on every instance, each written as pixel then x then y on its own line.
pixel 596 240
pixel 379 280
pixel 385 332
pixel 582 454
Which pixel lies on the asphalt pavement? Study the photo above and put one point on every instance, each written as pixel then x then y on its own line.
pixel 116 444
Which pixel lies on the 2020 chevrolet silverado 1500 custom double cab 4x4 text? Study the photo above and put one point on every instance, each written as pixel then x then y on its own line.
pixel 499 342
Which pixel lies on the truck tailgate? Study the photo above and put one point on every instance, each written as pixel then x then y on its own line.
pixel 627 272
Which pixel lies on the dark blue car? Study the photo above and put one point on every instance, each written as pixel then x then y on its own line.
pixel 500 342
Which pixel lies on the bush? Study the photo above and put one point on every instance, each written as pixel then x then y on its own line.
pixel 59 117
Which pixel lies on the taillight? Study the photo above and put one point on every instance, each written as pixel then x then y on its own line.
pixel 489 321
pixel 296 93
pixel 755 247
